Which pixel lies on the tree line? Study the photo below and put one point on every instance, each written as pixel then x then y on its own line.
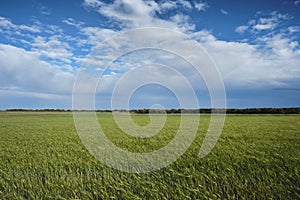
pixel 295 110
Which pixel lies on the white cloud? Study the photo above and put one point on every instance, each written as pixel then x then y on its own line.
pixel 297 3
pixel 52 48
pixel 260 27
pixel 96 35
pixel 203 36
pixel 224 12
pixel 138 13
pixel 294 29
pixel 7 24
pixel 272 63
pixel 28 73
pixel 241 29
pixel 52 45
pixel 185 4
pixel 92 3
pixel 33 29
pixel 72 22
pixel 52 29
pixel 281 46
pixel 168 5
pixel 201 6
pixel 266 22
pixel 44 10
pixel 182 22
pixel 135 12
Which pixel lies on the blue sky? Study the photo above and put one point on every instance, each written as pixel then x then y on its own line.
pixel 254 44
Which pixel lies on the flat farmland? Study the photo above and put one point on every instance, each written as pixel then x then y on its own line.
pixel 256 157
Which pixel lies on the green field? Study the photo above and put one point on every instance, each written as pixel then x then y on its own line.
pixel 42 157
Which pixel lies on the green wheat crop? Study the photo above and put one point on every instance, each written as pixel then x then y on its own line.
pixel 42 157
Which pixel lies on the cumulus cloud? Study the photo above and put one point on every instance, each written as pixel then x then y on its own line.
pixel 138 13
pixel 241 63
pixel 281 46
pixel 72 22
pixel 6 23
pixel 271 60
pixel 272 63
pixel 294 29
pixel 29 74
pixel 185 4
pixel 182 22
pixel 96 35
pixel 135 12
pixel 53 44
pixel 201 6
pixel 265 22
pixel 241 29
pixel 168 5
pixel 52 48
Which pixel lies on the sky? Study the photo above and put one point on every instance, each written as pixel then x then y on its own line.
pixel 45 44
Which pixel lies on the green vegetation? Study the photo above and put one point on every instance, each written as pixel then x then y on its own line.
pixel 295 110
pixel 257 157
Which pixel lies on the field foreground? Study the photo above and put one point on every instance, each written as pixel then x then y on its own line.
pixel 257 157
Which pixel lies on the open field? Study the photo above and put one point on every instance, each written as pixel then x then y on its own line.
pixel 257 157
